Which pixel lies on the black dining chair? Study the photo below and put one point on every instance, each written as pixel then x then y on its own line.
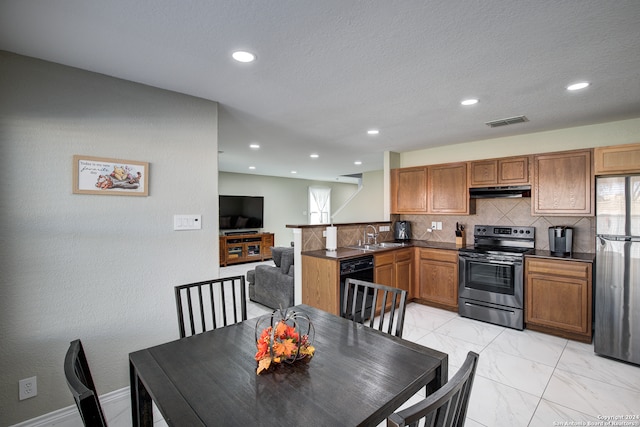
pixel 366 303
pixel 447 407
pixel 76 370
pixel 207 305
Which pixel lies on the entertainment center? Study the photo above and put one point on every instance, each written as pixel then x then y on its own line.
pixel 247 247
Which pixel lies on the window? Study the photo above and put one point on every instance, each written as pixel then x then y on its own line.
pixel 319 205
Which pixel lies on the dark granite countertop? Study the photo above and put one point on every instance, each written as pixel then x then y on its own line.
pixel 345 253
pixel 576 256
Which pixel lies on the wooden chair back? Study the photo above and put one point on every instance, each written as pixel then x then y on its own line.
pixel 207 305
pixel 383 305
pixel 446 407
pixel 76 370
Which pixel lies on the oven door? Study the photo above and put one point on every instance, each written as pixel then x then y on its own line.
pixel 494 281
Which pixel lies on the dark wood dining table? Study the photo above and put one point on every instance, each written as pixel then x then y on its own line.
pixel 357 377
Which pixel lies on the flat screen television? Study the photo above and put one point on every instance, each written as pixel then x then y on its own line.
pixel 241 212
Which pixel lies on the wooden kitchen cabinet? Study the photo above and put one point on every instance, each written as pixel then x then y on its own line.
pixel 496 172
pixel 409 190
pixel 436 189
pixel 438 278
pixel 558 297
pixel 447 189
pixel 403 274
pixel 383 272
pixel 321 283
pixel 617 159
pixel 563 184
pixel 395 269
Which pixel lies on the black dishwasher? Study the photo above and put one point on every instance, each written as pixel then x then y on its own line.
pixel 360 268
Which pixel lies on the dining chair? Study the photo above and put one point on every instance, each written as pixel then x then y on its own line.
pixel 389 304
pixel 207 305
pixel 446 407
pixel 76 370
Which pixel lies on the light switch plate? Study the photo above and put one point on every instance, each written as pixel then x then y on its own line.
pixel 187 222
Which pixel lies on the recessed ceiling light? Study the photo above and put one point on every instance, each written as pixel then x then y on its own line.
pixel 314 156
pixel 357 162
pixel 294 172
pixel 254 146
pixel 470 101
pixel 243 56
pixel 373 131
pixel 578 86
pixel 252 167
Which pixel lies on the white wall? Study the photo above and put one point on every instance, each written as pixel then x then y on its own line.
pixel 612 133
pixel 98 268
pixel 285 199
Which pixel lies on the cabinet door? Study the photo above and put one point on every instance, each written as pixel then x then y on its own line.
pixel 563 184
pixel 513 171
pixel 448 192
pixel 484 173
pixel 409 190
pixel 404 271
pixel 383 275
pixel 558 295
pixel 438 277
pixel 617 159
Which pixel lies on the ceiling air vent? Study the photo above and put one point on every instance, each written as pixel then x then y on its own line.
pixel 508 121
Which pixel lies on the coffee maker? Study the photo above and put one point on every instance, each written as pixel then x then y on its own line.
pixel 560 240
pixel 402 230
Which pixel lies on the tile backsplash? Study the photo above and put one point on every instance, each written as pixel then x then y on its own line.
pixel 503 212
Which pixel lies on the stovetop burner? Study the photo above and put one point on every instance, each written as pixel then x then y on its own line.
pixel 502 239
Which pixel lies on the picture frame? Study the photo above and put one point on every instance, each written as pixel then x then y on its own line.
pixel 106 176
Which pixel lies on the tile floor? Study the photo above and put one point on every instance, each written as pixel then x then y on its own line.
pixel 524 378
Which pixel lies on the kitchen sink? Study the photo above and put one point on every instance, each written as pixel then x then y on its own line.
pixel 374 247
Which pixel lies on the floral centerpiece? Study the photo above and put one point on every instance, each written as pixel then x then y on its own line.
pixel 286 339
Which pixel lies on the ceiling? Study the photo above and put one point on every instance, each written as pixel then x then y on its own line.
pixel 329 70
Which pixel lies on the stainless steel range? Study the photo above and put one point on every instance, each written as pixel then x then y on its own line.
pixel 491 274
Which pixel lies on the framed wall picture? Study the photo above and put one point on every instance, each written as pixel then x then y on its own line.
pixel 99 175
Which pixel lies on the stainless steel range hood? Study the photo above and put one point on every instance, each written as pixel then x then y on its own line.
pixel 500 192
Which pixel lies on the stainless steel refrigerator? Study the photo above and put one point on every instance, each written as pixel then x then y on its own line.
pixel 617 287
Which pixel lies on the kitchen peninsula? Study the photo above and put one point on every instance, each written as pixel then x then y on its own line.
pixel 427 270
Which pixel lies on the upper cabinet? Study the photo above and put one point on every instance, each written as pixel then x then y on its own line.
pixel 505 171
pixel 438 189
pixel 409 190
pixel 563 184
pixel 447 189
pixel 617 159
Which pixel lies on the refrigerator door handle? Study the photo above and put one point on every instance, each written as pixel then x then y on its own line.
pixel 604 237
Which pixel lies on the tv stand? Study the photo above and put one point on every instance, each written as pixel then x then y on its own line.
pixel 237 233
pixel 249 246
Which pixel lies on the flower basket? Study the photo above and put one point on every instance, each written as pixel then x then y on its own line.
pixel 283 337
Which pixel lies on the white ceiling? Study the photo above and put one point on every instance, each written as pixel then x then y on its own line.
pixel 328 70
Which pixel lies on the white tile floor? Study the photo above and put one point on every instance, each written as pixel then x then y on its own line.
pixel 524 378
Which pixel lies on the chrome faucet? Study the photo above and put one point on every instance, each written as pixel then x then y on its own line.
pixel 367 236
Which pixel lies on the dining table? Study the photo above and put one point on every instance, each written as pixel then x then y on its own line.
pixel 358 376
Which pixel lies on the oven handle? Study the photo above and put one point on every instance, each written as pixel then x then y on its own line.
pixel 504 262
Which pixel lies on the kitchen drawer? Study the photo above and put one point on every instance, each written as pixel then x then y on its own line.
pixel 383 259
pixel 439 255
pixel 404 255
pixel 558 268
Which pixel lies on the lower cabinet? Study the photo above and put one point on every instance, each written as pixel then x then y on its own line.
pixel 438 278
pixel 558 297
pixel 395 269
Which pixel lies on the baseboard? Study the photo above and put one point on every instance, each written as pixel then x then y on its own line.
pixel 70 413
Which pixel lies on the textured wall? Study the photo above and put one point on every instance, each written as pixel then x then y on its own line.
pixel 99 268
pixel 504 212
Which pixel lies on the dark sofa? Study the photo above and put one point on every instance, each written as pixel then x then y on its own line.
pixel 273 286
